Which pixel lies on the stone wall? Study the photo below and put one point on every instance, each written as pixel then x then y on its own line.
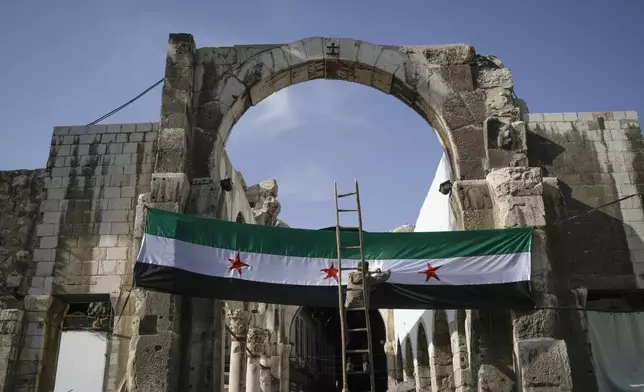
pixel 21 192
pixel 83 247
pixel 593 159
pixel 597 158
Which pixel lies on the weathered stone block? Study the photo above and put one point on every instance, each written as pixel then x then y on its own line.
pixel 500 103
pixel 450 54
pixel 544 363
pixel 494 77
pixel 476 103
pixel 169 187
pixel 491 378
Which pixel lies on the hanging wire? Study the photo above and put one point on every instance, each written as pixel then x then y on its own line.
pixel 574 217
pixel 118 109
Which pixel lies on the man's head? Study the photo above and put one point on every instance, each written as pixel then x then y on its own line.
pixel 366 265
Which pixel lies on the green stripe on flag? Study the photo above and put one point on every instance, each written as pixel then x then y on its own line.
pixel 322 244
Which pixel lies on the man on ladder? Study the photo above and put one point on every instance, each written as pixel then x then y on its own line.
pixel 355 297
pixel 354 312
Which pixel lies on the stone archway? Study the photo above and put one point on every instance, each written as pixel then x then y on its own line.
pixel 423 371
pixel 301 322
pixel 207 90
pixel 240 218
pixel 400 363
pixel 408 361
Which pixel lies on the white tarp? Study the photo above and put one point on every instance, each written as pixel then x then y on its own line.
pixel 617 341
pixel 436 213
pixel 81 362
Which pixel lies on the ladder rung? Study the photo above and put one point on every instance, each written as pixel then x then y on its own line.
pixel 354 309
pixel 357 330
pixel 349 228
pixel 358 372
pixel 347 210
pixel 352 289
pixel 358 351
pixel 346 194
pixel 351 247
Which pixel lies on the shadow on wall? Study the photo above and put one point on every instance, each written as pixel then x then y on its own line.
pixel 591 251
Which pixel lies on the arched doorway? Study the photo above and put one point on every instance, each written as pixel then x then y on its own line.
pixel 423 373
pixel 316 360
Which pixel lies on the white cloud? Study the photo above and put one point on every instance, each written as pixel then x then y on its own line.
pixel 292 108
pixel 308 182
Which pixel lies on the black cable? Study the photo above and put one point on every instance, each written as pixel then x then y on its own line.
pixel 594 209
pixel 108 114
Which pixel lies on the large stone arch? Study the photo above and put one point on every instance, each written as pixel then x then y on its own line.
pixel 450 86
pixel 467 99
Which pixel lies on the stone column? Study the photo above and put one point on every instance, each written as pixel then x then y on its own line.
pixel 440 354
pixel 284 350
pixel 256 345
pixel 265 377
pixel 390 352
pixel 460 350
pixel 154 362
pixel 11 328
pixel 517 195
pixel 238 320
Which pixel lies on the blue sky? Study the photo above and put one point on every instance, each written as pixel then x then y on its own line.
pixel 68 62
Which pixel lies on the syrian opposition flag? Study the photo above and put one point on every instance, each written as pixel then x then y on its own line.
pixel 205 257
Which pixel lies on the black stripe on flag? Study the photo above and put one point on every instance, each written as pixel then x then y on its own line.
pixel 515 295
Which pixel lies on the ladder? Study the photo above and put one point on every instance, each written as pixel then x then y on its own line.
pixel 348 354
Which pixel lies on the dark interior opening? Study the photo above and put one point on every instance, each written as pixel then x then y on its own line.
pixel 317 367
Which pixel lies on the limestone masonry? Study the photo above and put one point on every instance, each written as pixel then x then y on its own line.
pixel 69 233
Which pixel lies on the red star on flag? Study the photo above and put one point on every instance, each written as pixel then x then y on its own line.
pixel 236 264
pixel 430 272
pixel 331 272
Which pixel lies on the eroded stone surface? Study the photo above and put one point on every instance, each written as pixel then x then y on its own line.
pixel 238 321
pixel 544 364
pixel 21 195
pixel 262 198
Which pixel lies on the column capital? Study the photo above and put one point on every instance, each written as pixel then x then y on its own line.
pixel 238 321
pixel 257 341
pixel 390 348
